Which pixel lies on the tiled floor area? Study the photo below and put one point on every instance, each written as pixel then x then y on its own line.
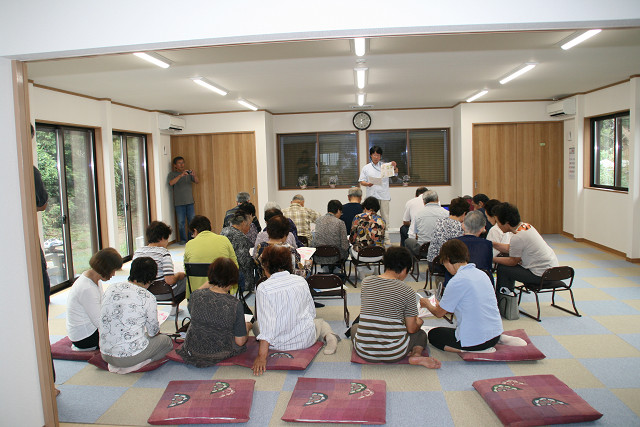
pixel 598 355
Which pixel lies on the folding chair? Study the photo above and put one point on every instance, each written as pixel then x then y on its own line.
pixel 368 252
pixel 328 251
pixel 422 256
pixel 160 287
pixel 433 270
pixel 303 240
pixel 552 280
pixel 329 285
pixel 195 269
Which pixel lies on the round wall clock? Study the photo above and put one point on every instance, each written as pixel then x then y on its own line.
pixel 362 120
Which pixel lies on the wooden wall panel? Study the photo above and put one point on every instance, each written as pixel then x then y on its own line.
pixel 494 161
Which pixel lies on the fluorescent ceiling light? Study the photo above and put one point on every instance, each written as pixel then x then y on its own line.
pixel 582 37
pixel 477 95
pixel 360 98
pixel 154 58
pixel 360 46
pixel 247 104
pixel 361 76
pixel 206 83
pixel 520 71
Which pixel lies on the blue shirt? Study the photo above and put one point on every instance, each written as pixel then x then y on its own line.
pixel 470 296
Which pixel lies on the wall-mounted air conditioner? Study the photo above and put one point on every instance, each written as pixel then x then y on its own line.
pixel 170 123
pixel 565 107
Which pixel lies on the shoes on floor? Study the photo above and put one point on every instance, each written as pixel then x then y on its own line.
pixel 318 304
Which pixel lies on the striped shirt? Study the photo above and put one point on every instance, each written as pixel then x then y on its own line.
pixel 382 334
pixel 161 256
pixel 285 312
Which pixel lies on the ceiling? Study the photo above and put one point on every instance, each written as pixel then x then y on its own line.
pixel 307 76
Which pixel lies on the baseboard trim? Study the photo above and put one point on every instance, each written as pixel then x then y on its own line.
pixel 601 247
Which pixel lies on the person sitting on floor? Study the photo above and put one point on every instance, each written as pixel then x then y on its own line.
pixel 389 327
pixel 218 329
pixel 285 310
pixel 368 228
pixel 495 235
pixel 129 329
pixel 158 237
pixel 353 208
pixel 205 247
pixel 445 229
pixel 85 297
pixel 330 231
pixel 470 296
pixel 236 233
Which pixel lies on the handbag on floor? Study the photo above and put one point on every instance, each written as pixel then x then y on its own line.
pixel 508 305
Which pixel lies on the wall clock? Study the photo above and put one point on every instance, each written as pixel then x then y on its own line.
pixel 362 120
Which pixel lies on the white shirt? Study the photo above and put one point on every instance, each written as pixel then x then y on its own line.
pixel 83 308
pixel 536 255
pixel 380 192
pixel 285 312
pixel 410 210
pixel 498 236
pixel 425 220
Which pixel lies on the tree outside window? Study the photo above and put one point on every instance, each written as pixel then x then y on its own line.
pixel 610 151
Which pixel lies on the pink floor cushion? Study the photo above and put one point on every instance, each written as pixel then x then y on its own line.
pixel 508 353
pixel 62 350
pixel 405 361
pixel 318 400
pixel 534 400
pixel 291 360
pixel 204 402
pixel 99 362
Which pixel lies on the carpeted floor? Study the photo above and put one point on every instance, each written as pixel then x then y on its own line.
pixel 598 355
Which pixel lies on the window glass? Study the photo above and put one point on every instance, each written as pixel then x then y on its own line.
pixel 610 151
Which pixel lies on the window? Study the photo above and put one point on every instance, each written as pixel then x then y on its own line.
pixel 422 155
pixel 610 151
pixel 318 160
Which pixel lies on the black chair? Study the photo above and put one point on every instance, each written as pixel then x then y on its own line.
pixel 435 268
pixel 552 280
pixel 367 252
pixel 328 251
pixel 303 240
pixel 422 256
pixel 329 285
pixel 160 287
pixel 195 269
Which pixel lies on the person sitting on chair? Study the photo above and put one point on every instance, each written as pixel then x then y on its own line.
pixel 480 250
pixel 158 237
pixel 469 295
pixel 411 208
pixel 236 233
pixel 368 228
pixel 278 230
pixel 286 316
pixel 263 236
pixel 447 228
pixel 330 231
pixel 495 235
pixel 85 297
pixel 424 221
pixel 389 327
pixel 129 330
pixel 301 216
pixel 353 208
pixel 218 329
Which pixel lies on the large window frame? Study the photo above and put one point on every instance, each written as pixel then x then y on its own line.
pixel 324 164
pixel 409 158
pixel 607 166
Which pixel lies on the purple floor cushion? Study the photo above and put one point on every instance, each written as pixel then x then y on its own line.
pixel 62 350
pixel 172 355
pixel 99 362
pixel 294 360
pixel 404 361
pixel 534 400
pixel 316 400
pixel 204 402
pixel 508 353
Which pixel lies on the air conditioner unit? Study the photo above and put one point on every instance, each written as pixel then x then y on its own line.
pixel 562 108
pixel 170 123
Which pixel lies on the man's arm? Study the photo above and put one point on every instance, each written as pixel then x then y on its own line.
pixel 507 260
pixel 501 247
pixel 172 279
pixel 175 180
pixel 194 177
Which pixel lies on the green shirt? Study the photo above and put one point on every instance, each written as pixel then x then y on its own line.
pixel 206 248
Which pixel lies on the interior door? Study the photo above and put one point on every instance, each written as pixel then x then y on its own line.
pixel 494 161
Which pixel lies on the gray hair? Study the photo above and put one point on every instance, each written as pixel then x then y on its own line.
pixel 355 192
pixel 239 217
pixel 243 197
pixel 298 197
pixel 271 205
pixel 429 196
pixel 473 222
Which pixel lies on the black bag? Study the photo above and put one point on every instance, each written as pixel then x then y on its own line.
pixel 508 305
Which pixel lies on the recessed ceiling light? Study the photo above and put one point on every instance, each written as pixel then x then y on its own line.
pixel 206 83
pixel 247 104
pixel 361 77
pixel 477 95
pixel 154 58
pixel 579 39
pixel 520 71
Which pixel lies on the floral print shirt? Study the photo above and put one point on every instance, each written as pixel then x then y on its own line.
pixel 445 229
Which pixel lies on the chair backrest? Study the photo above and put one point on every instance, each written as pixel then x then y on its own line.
pixel 558 273
pixel 324 281
pixel 303 240
pixel 160 287
pixel 326 251
pixel 371 252
pixel 424 249
pixel 196 269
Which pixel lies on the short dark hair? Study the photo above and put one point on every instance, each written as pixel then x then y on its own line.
pixel 105 261
pixel 397 258
pixel 238 218
pixel 375 149
pixel 371 203
pixel 276 258
pixel 508 214
pixel 175 159
pixel 143 270
pixel 223 272
pixel 454 251
pixel 200 223
pixel 334 206
pixel 157 231
pixel 421 190
pixel 489 207
pixel 247 207
pixel 458 206
pixel 480 198
pixel 278 227
pixel 270 213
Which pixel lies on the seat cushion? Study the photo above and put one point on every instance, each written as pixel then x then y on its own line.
pixel 507 353
pixel 62 350
pixel 204 402
pixel 534 400
pixel 337 401
pixel 276 360
pixel 99 363
pixel 404 361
